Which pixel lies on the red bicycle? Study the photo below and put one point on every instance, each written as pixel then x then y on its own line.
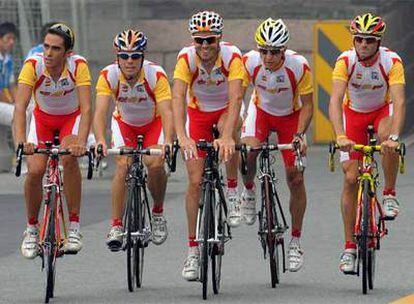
pixel 53 232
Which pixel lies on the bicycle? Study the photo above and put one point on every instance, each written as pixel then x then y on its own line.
pixel 370 226
pixel 212 230
pixel 53 232
pixel 137 215
pixel 272 221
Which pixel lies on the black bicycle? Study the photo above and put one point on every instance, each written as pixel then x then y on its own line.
pixel 53 233
pixel 272 221
pixel 137 215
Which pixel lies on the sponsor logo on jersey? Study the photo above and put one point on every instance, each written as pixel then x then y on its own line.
pixel 374 75
pixel 280 78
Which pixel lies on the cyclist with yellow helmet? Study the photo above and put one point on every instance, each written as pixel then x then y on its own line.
pixel 60 84
pixel 368 89
pixel 282 102
pixel 208 78
pixel 142 96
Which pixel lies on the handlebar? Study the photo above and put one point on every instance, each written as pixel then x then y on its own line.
pixel 53 150
pixel 368 150
pixel 170 156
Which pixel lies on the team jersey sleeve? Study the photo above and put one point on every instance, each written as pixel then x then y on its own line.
pixel 396 75
pixel 305 83
pixel 83 76
pixel 236 69
pixel 28 74
pixel 162 89
pixel 102 86
pixel 340 71
pixel 182 70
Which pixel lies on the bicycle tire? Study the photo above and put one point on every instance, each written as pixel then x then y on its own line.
pixel 206 232
pixel 364 237
pixel 139 246
pixel 49 251
pixel 371 268
pixel 270 237
pixel 218 249
pixel 130 243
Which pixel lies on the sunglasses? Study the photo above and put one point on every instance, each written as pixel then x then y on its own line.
pixel 273 52
pixel 133 56
pixel 208 40
pixel 369 40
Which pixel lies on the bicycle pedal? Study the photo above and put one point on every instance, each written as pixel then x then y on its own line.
pixel 71 252
pixel 350 273
pixel 388 218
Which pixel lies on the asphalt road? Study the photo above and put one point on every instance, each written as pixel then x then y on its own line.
pixel 96 275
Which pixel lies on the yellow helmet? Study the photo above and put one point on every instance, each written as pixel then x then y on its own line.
pixel 368 25
pixel 272 33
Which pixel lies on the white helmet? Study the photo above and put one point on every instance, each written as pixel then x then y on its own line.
pixel 272 33
pixel 205 21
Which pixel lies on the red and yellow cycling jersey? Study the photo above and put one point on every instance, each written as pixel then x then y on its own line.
pixel 278 92
pixel 208 92
pixel 55 97
pixel 368 86
pixel 137 105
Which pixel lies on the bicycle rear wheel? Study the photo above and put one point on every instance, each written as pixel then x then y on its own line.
pixel 131 244
pixel 218 248
pixel 49 248
pixel 364 238
pixel 270 235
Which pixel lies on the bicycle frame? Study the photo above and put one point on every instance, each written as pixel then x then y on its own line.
pixel 212 176
pixel 54 179
pixel 368 171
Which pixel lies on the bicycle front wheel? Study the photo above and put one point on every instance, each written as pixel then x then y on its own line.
pixel 50 247
pixel 204 231
pixel 218 248
pixel 140 246
pixel 270 233
pixel 131 244
pixel 364 238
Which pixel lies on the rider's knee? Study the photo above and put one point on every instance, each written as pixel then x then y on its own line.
pixel 295 179
pixel 157 164
pixel 69 163
pixel 351 177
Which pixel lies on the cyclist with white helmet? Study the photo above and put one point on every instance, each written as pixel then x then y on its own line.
pixel 282 102
pixel 368 89
pixel 208 78
pixel 142 96
pixel 60 84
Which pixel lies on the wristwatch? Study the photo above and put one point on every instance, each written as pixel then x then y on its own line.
pixel 394 137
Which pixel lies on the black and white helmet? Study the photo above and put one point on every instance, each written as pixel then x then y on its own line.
pixel 205 21
pixel 272 33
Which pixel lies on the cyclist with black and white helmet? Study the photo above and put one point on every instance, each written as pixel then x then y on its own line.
pixel 208 87
pixel 282 102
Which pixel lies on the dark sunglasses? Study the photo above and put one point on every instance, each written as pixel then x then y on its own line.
pixel 208 40
pixel 273 52
pixel 369 40
pixel 133 56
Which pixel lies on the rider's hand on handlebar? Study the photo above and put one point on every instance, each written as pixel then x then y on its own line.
pixel 344 143
pixel 227 147
pixel 77 149
pixel 28 148
pixel 163 149
pixel 104 148
pixel 188 148
pixel 299 138
pixel 389 146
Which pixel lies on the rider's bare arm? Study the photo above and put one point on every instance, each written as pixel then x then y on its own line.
pixel 164 108
pixel 397 92
pixel 84 95
pixel 178 106
pixel 306 112
pixel 99 121
pixel 24 92
pixel 335 106
pixel 235 101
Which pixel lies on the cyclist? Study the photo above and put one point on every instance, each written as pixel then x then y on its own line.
pixel 142 95
pixel 282 101
pixel 208 77
pixel 39 47
pixel 368 88
pixel 59 82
